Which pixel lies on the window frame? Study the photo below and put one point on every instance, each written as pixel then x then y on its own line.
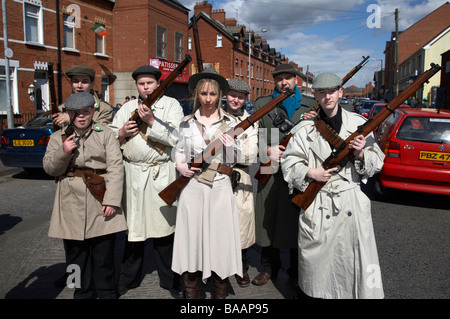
pixel 178 46
pixel 39 25
pixel 161 43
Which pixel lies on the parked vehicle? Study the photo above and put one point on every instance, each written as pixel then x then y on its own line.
pixel 357 102
pixel 25 146
pixel 366 106
pixel 377 107
pixel 344 100
pixel 416 143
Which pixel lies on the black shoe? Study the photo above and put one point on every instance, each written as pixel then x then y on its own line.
pixel 61 281
pixel 122 290
pixel 177 293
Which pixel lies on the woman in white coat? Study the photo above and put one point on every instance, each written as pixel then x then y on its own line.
pixel 337 250
pixel 207 238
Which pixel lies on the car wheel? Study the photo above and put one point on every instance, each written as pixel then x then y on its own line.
pixel 381 193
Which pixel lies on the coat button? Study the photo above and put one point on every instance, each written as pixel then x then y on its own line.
pixel 327 217
pixel 349 214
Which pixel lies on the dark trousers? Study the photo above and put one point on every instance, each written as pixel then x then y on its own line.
pixel 133 262
pixel 245 264
pixel 95 259
pixel 270 260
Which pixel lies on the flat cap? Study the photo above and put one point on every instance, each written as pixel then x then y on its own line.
pixel 146 69
pixel 208 73
pixel 326 80
pixel 238 85
pixel 285 68
pixel 78 101
pixel 81 70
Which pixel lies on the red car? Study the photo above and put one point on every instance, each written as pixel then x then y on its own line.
pixel 416 143
pixel 377 107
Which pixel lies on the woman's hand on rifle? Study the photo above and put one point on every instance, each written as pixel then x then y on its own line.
pixel 185 170
pixel 320 174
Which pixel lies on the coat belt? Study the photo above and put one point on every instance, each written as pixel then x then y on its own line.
pixel 225 169
pixel 78 171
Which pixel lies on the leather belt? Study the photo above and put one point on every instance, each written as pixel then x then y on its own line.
pixel 79 171
pixel 224 169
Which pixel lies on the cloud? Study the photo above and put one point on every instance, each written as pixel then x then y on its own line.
pixel 326 35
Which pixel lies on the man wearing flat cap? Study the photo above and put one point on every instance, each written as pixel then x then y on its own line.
pixel 82 80
pixel 336 242
pixel 276 218
pixel 87 225
pixel 149 168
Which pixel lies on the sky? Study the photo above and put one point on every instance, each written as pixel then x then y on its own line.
pixel 327 35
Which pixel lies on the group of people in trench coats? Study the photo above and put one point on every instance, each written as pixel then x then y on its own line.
pixel 214 230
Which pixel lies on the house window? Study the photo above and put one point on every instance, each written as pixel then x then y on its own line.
pixel 68 31
pixel 237 68
pixel 161 42
pixel 12 85
pixel 100 44
pixel 189 43
pixel 219 41
pixel 179 49
pixel 33 23
pixel 105 88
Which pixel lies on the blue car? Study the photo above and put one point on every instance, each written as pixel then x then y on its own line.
pixel 25 146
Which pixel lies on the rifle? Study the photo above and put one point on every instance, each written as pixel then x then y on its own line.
pixel 341 155
pixel 263 177
pixel 159 91
pixel 171 192
pixel 51 84
pixel 198 51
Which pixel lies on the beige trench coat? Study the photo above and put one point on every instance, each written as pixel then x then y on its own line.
pixel 337 250
pixel 243 192
pixel 76 213
pixel 148 172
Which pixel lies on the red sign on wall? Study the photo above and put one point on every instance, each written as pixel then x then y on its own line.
pixel 167 67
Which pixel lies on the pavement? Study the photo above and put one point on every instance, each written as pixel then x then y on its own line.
pixel 30 262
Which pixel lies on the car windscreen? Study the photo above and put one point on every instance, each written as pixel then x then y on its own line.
pixel 425 129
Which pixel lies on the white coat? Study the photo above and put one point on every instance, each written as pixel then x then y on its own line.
pixel 148 172
pixel 244 190
pixel 337 250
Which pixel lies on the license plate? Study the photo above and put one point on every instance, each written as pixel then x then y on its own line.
pixel 434 156
pixel 23 142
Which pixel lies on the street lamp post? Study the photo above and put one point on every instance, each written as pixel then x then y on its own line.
pixel 250 33
pixel 380 76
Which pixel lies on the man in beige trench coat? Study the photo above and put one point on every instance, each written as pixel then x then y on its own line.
pixel 148 170
pixel 87 226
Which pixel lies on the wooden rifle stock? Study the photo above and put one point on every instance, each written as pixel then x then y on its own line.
pixel 171 192
pixel 264 178
pixel 159 91
pixel 51 84
pixel 304 199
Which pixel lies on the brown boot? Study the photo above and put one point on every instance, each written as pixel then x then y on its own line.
pixel 220 287
pixel 190 281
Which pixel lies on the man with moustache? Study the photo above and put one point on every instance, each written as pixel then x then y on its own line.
pixel 147 145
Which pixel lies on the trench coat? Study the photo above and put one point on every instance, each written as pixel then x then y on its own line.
pixel 243 192
pixel 276 217
pixel 147 172
pixel 76 214
pixel 337 250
